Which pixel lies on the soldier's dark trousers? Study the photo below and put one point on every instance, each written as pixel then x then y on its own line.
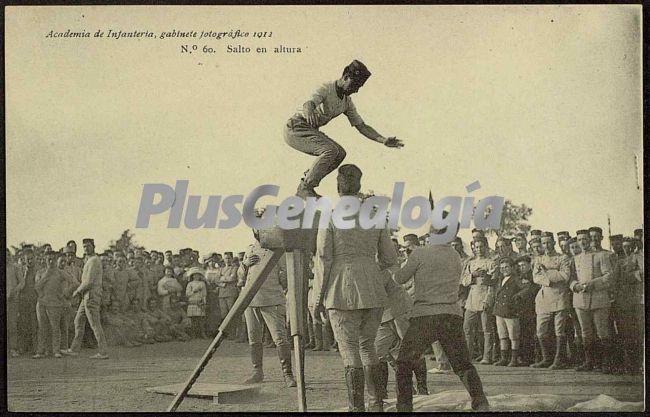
pixel 422 332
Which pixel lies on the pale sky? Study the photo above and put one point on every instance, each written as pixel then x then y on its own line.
pixel 541 104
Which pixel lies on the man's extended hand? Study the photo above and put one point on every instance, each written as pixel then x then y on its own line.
pixel 310 114
pixel 393 142
pixel 252 260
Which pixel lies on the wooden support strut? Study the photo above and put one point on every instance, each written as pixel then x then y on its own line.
pixel 267 262
pixel 296 295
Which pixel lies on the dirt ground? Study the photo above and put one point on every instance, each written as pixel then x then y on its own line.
pixel 118 384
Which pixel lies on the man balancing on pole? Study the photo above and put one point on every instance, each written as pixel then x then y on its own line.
pixel 329 101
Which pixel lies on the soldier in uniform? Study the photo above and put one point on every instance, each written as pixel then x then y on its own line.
pixel 394 323
pixel 349 265
pixel 15 285
pixel 527 317
pixel 629 306
pixel 27 321
pixel 553 301
pixel 638 235
pixel 90 290
pixel 478 276
pixel 228 290
pixel 329 101
pixel 268 306
pixel 593 274
pixel 436 315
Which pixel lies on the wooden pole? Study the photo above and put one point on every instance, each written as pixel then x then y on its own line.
pixel 296 295
pixel 267 263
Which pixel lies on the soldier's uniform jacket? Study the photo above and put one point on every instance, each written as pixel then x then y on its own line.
pixel 554 294
pixel 91 281
pixel 508 298
pixel 630 285
pixel 399 301
pixel 592 267
pixel 481 289
pixel 228 281
pixel 271 292
pixel 348 262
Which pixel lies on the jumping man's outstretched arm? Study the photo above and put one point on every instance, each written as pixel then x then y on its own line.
pixel 372 134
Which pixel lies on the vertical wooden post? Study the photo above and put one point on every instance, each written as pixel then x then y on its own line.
pixel 296 296
pixel 266 266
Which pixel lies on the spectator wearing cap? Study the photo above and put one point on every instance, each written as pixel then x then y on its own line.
pixel 212 277
pixel 529 349
pixel 349 265
pixel 552 304
pixel 638 235
pixel 227 284
pixel 71 266
pixel 536 248
pixel 563 243
pixel 616 243
pixel 507 307
pixel 27 320
pixel 329 101
pixel 196 293
pixel 78 262
pixel 478 275
pixel 629 306
pixel 89 309
pixel 521 244
pixel 593 274
pixel 457 245
pixel 15 285
pixel 579 351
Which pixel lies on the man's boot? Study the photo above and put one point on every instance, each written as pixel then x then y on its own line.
pixel 354 379
pixel 488 349
pixel 514 358
pixel 372 376
pixel 381 388
pixel 474 387
pixel 588 364
pixel 545 349
pixel 318 337
pixel 404 386
pixel 560 354
pixel 304 190
pixel 579 352
pixel 504 357
pixel 420 372
pixel 284 353
pixel 257 354
pixel 606 356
